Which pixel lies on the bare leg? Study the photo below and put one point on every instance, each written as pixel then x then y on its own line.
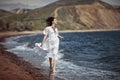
pixel 54 65
pixel 50 61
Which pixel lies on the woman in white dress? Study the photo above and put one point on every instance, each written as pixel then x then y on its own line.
pixel 50 41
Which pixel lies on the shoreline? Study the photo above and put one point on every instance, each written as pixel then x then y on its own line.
pixel 13 67
pixel 10 33
pixel 92 30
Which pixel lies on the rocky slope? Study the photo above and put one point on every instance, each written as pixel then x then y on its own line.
pixel 74 15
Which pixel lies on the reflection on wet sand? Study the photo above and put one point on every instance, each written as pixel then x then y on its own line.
pixel 51 75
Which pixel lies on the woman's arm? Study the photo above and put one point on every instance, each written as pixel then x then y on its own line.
pixel 44 39
pixel 60 36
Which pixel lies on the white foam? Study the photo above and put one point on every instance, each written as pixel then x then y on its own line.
pixel 69 71
pixel 72 71
pixel 22 47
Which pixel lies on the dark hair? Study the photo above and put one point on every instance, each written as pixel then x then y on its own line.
pixel 49 21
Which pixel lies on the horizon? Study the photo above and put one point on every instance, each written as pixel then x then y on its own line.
pixel 30 4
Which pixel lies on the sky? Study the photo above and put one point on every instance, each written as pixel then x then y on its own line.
pixel 113 2
pixel 32 4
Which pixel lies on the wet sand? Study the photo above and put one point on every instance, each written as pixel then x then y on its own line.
pixel 13 67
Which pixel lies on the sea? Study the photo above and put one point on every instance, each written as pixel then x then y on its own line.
pixel 82 55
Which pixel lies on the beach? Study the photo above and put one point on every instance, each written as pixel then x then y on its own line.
pixel 13 67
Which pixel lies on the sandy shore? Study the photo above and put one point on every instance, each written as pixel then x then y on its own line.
pixel 14 68
pixel 95 30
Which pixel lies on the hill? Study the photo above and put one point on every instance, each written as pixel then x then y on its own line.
pixel 4 13
pixel 76 2
pixel 20 11
pixel 79 14
pixel 74 15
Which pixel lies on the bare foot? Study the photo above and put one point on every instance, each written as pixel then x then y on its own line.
pixel 54 70
pixel 51 69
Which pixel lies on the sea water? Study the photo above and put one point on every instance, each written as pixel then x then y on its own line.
pixel 82 55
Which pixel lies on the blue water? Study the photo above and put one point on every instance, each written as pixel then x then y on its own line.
pixel 82 55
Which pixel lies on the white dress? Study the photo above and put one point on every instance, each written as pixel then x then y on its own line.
pixel 52 42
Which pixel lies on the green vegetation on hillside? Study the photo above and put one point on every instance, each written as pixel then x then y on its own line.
pixel 92 15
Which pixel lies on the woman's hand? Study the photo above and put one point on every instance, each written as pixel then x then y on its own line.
pixel 41 45
pixel 60 37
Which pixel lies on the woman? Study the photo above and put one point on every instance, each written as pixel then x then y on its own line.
pixel 50 41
